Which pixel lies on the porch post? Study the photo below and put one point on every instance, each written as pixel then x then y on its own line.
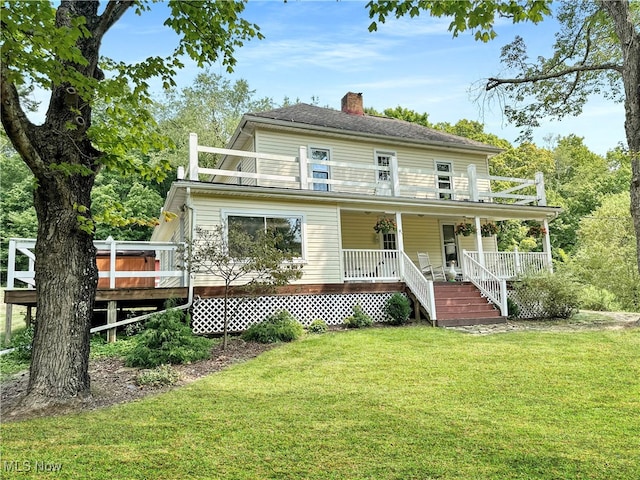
pixel 474 195
pixel 546 244
pixel 112 262
pixel 193 157
pixel 11 265
pixel 400 240
pixel 517 261
pixel 394 176
pixel 479 242
pixel 540 193
pixel 304 168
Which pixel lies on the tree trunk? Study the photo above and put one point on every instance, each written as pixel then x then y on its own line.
pixel 66 282
pixel 629 36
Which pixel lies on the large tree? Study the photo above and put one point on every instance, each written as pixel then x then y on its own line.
pixel 596 51
pixel 58 48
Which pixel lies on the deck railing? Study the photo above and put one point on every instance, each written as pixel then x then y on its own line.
pixel 109 249
pixel 510 265
pixel 296 172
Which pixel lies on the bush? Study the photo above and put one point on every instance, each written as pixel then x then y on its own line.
pixel 318 326
pixel 397 309
pixel 551 295
pixel 168 339
pixel 359 319
pixel 162 375
pixel 594 298
pixel 513 309
pixel 22 341
pixel 277 327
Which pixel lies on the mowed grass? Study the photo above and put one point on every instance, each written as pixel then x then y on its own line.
pixel 382 403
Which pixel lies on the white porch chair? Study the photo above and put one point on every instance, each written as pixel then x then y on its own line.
pixel 436 272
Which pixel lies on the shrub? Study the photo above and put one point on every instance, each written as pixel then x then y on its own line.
pixel 397 309
pixel 277 327
pixel 601 299
pixel 161 375
pixel 513 309
pixel 359 319
pixel 22 341
pixel 552 295
pixel 168 339
pixel 318 326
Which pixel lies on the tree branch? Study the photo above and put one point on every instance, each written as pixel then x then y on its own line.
pixel 112 13
pixel 495 82
pixel 16 124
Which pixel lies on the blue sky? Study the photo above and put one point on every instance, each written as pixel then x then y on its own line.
pixel 323 49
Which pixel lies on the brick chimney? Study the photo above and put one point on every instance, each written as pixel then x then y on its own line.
pixel 352 104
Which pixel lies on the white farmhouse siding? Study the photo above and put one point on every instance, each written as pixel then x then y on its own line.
pixel 422 234
pixel 416 164
pixel 320 232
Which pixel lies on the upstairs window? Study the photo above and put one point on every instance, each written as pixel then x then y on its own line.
pixel 383 159
pixel 444 179
pixel 319 169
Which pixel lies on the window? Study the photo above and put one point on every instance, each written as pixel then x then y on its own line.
pixel 445 180
pixel 288 229
pixel 383 159
pixel 320 170
pixel 389 241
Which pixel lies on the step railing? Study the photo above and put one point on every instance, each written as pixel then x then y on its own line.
pixel 421 287
pixel 490 285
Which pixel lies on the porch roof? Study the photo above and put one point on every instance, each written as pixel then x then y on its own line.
pixel 178 193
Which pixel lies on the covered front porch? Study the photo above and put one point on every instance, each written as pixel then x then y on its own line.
pixel 383 246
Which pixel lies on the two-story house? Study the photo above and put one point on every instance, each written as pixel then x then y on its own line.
pixel 335 178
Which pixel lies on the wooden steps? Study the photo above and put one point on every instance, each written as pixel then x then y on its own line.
pixel 460 303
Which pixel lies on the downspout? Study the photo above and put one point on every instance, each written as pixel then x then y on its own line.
pixel 186 306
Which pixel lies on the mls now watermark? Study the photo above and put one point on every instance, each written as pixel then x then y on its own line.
pixel 30 466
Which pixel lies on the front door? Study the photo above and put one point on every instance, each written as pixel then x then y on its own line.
pixel 449 245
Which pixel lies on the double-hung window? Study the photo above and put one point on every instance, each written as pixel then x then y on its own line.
pixel 444 171
pixel 288 229
pixel 319 169
pixel 383 162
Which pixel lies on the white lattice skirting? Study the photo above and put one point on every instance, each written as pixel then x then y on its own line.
pixel 207 313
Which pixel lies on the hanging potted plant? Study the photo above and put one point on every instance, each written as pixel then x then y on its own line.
pixel 385 225
pixel 536 231
pixel 488 229
pixel 465 229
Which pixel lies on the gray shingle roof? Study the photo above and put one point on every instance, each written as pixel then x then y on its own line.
pixel 326 118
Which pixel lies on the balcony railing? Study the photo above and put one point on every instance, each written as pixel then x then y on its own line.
pixel 351 177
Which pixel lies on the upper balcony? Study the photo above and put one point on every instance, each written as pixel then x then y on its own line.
pixel 268 170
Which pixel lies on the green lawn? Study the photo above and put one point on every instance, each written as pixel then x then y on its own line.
pixel 382 403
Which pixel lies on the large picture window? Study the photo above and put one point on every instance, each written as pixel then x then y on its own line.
pixel 287 228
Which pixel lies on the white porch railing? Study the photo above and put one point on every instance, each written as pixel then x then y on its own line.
pixel 490 285
pixel 361 177
pixel 389 265
pixel 370 265
pixel 168 251
pixel 510 265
